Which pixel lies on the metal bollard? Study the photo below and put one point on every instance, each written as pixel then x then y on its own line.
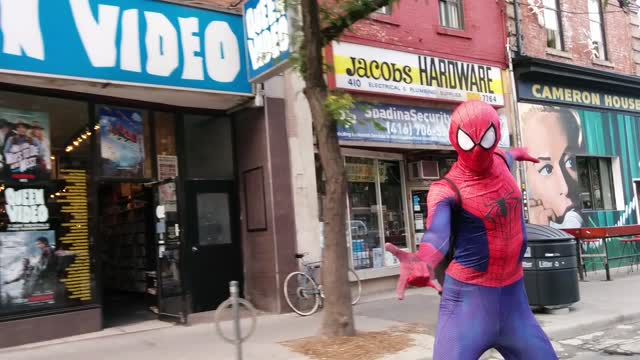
pixel 235 301
pixel 235 295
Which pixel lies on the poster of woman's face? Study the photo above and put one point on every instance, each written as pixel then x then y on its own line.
pixel 554 136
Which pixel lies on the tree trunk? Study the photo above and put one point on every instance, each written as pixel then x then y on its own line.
pixel 338 311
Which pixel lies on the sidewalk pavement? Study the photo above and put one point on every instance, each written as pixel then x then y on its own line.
pixel 602 304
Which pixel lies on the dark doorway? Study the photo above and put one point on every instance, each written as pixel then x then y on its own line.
pixel 212 226
pixel 127 253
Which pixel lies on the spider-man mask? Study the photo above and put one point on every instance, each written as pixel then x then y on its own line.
pixel 474 133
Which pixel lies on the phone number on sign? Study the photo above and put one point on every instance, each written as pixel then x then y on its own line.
pixel 414 130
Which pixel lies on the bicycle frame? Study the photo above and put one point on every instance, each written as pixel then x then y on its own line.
pixel 309 268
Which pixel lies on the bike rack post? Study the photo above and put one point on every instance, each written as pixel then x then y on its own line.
pixel 235 302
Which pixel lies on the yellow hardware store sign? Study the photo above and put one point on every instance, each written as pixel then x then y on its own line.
pixel 370 69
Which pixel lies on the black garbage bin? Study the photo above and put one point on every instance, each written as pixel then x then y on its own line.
pixel 550 268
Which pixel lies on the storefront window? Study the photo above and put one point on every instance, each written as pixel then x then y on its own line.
pixel 363 208
pixel 45 261
pixel 165 126
pixel 165 129
pixel 206 136
pixel 376 209
pixel 596 183
pixel 445 165
pixel 392 204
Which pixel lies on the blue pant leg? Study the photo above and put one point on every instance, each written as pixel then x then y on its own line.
pixel 520 336
pixel 467 322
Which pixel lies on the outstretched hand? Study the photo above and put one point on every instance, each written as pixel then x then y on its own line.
pixel 413 271
pixel 521 154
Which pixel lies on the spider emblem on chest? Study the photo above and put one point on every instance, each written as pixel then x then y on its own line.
pixel 503 205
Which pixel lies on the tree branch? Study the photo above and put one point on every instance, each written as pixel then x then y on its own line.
pixel 623 4
pixel 355 10
pixel 312 45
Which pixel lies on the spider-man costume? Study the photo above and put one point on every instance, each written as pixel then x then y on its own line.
pixel 477 209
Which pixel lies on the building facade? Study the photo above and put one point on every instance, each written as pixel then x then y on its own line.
pixel 576 73
pixel 406 73
pixel 139 170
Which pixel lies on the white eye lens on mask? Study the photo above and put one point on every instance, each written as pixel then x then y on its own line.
pixel 489 138
pixel 464 141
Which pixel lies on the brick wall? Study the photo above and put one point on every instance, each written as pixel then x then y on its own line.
pixel 634 24
pixel 575 20
pixel 415 26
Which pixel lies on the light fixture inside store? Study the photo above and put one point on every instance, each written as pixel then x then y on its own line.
pixel 82 136
pixel 53 157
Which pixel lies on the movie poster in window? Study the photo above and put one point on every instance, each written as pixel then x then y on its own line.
pixel 29 268
pixel 121 142
pixel 25 145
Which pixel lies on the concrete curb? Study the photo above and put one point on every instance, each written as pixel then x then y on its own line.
pixel 565 332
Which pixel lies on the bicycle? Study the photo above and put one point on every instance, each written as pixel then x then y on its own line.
pixel 302 288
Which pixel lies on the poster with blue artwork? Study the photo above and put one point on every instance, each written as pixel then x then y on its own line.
pixel 121 142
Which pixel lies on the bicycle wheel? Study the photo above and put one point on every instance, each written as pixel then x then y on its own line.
pixel 301 293
pixel 356 286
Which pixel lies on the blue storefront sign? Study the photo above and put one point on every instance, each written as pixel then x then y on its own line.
pixel 402 125
pixel 267 37
pixel 139 42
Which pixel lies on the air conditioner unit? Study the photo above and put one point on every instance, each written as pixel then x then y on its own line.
pixel 424 170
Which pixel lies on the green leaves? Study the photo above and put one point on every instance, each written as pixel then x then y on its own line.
pixel 336 17
pixel 337 107
pixel 624 4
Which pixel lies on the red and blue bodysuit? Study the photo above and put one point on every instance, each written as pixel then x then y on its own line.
pixel 477 212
